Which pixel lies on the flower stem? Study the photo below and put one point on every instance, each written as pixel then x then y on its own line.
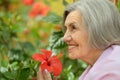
pixel 52 76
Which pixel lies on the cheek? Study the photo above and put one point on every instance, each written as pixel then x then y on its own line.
pixel 82 41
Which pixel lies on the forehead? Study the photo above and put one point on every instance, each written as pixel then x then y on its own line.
pixel 73 17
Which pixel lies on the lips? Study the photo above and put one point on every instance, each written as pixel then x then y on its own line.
pixel 71 46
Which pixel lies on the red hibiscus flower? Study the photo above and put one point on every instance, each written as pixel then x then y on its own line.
pixel 39 8
pixel 51 63
pixel 28 2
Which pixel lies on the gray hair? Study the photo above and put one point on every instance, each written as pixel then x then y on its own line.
pixel 102 20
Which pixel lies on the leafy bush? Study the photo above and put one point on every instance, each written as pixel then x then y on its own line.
pixel 22 35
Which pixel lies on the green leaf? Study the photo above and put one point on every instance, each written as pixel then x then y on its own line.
pixel 3 69
pixel 28 47
pixel 4 30
pixel 65 2
pixel 10 75
pixel 53 18
pixel 56 40
pixel 24 74
pixel 14 65
pixel 3 63
pixel 70 76
pixel 15 55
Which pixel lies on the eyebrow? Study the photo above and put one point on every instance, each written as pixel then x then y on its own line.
pixel 68 24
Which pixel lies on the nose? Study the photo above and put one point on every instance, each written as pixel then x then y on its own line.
pixel 67 37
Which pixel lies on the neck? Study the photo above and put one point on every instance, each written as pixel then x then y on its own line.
pixel 93 57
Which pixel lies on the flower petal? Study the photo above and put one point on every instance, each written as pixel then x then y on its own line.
pixel 39 57
pixel 45 66
pixel 47 53
pixel 56 64
pixel 28 2
pixel 45 11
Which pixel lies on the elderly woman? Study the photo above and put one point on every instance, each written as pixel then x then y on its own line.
pixel 92 32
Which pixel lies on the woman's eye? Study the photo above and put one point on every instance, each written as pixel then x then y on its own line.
pixel 73 27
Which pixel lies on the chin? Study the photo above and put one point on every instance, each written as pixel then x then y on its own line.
pixel 72 57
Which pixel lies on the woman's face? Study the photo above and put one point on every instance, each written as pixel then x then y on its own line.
pixel 76 37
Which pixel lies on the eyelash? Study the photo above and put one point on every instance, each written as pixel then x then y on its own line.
pixel 73 27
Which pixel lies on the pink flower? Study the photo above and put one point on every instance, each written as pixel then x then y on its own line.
pixel 51 63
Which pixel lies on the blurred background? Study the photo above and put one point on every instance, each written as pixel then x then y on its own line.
pixel 26 26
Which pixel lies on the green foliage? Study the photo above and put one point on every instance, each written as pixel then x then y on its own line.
pixel 56 40
pixel 53 18
pixel 119 6
pixel 21 36
pixel 65 2
pixel 19 70
pixel 15 55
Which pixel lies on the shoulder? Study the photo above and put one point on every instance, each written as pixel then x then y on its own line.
pixel 109 59
pixel 115 53
pixel 108 67
pixel 108 71
pixel 110 56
